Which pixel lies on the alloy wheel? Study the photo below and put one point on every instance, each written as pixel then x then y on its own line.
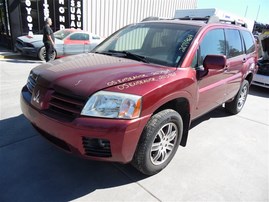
pixel 242 97
pixel 163 143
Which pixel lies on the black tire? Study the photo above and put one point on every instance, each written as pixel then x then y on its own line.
pixel 42 53
pixel 164 130
pixel 235 106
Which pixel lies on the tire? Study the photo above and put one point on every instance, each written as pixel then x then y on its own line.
pixel 42 53
pixel 235 106
pixel 159 142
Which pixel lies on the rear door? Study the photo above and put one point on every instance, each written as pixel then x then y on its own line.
pixel 236 61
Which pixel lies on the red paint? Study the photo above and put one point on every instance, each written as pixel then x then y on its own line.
pixel 83 75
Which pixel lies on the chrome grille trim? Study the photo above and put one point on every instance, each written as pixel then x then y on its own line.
pixel 31 82
pixel 65 105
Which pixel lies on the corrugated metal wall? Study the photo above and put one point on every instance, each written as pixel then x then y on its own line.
pixel 103 17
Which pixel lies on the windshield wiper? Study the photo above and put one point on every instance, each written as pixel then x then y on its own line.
pixel 130 55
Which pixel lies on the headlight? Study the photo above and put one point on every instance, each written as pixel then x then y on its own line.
pixel 113 105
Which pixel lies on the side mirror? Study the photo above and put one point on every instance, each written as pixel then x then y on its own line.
pixel 214 62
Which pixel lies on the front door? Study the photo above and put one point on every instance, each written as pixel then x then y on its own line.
pixel 212 87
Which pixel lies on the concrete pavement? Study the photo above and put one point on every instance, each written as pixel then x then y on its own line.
pixel 226 158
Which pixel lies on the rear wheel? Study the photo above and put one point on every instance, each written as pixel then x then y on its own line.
pixel 159 142
pixel 42 54
pixel 237 104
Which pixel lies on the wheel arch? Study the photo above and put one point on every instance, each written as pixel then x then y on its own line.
pixel 182 106
pixel 249 78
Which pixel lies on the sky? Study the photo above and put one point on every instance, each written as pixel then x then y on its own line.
pixel 252 9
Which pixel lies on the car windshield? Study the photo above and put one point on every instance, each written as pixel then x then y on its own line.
pixel 153 42
pixel 61 34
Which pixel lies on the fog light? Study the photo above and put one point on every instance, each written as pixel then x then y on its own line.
pixel 96 147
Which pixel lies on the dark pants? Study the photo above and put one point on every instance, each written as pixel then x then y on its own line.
pixel 49 50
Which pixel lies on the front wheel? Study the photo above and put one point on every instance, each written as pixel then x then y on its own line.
pixel 159 142
pixel 235 106
pixel 42 54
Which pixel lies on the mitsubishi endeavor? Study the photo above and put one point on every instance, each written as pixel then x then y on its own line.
pixel 132 99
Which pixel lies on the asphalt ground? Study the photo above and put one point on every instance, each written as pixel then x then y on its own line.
pixel 226 158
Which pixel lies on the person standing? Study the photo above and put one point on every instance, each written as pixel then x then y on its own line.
pixel 48 39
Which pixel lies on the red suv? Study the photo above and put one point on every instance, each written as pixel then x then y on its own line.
pixel 133 97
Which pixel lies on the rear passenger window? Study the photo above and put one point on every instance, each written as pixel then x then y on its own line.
pixel 249 43
pixel 212 44
pixel 234 44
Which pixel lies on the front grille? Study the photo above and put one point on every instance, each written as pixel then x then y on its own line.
pixel 65 106
pixel 263 68
pixel 31 82
pixel 60 106
pixel 96 147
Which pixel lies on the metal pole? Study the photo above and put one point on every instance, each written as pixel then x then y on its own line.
pixel 246 11
pixel 258 12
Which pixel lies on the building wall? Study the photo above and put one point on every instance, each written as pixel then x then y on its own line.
pixel 26 17
pixel 103 17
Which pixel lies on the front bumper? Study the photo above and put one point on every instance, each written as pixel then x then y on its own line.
pixel 27 51
pixel 91 138
pixel 261 80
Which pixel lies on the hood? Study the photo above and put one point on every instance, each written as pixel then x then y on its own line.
pixel 85 74
pixel 35 38
pixel 31 39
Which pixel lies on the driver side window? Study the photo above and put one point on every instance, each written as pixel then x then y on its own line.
pixel 212 44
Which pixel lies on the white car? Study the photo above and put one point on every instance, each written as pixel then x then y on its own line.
pixel 67 42
pixel 262 76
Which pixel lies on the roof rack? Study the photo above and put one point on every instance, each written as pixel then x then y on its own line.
pixel 213 19
pixel 211 15
pixel 206 19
